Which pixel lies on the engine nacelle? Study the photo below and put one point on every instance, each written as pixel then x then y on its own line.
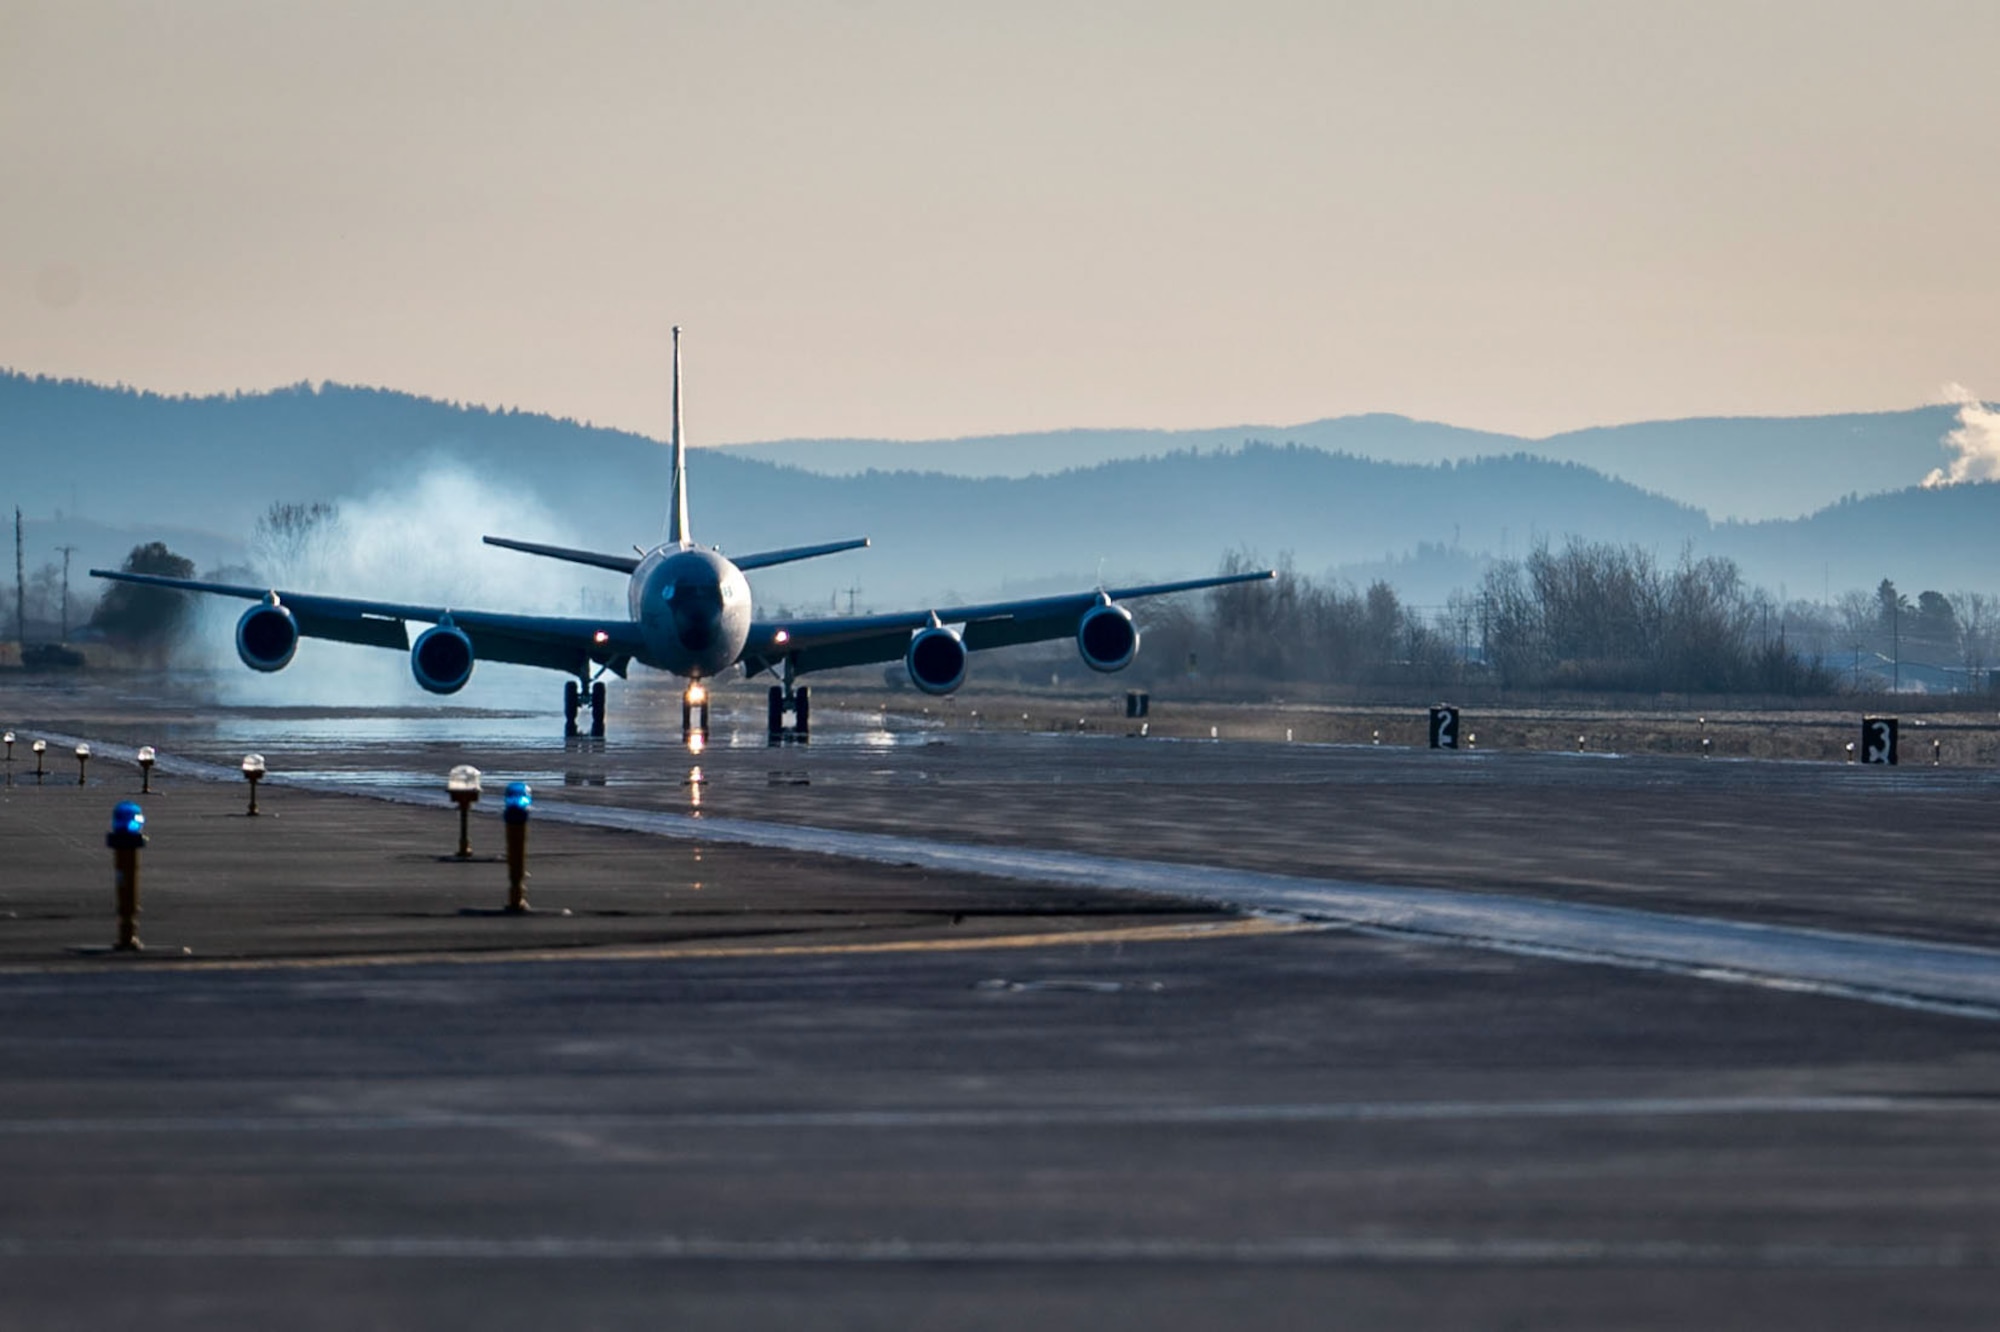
pixel 267 637
pixel 441 659
pixel 1107 638
pixel 936 660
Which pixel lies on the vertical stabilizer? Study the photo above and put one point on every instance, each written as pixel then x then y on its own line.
pixel 677 514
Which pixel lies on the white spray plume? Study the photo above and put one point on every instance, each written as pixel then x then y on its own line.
pixel 417 541
pixel 1977 441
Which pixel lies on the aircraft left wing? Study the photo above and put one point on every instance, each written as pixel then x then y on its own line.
pixel 557 642
pixel 825 644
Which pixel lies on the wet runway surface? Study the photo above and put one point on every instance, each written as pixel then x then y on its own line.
pixel 1912 851
pixel 1356 1127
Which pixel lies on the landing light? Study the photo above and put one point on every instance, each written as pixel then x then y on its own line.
pixel 600 637
pixel 696 694
pixel 781 636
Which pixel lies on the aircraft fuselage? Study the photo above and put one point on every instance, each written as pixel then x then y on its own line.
pixel 693 608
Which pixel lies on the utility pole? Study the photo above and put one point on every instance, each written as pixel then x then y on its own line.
pixel 1896 634
pixel 20 585
pixel 67 551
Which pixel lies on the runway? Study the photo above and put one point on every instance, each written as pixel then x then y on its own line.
pixel 1182 1062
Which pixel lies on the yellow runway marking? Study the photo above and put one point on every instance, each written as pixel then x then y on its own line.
pixel 1195 930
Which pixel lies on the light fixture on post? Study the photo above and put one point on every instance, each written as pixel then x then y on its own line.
pixel 127 836
pixel 253 772
pixel 520 798
pixel 462 785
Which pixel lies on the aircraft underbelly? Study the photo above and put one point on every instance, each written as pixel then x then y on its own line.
pixel 699 647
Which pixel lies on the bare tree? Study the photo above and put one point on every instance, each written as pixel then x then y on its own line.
pixel 1978 623
pixel 291 543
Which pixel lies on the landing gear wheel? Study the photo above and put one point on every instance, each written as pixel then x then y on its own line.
pixel 572 697
pixel 777 714
pixel 802 713
pixel 597 710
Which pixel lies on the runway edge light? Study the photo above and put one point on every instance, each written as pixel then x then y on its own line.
pixel 519 799
pixel 462 785
pixel 253 772
pixel 126 838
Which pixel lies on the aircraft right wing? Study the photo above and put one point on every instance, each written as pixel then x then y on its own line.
pixel 828 643
pixel 559 643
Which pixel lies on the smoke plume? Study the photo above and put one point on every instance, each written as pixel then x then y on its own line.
pixel 416 541
pixel 1976 441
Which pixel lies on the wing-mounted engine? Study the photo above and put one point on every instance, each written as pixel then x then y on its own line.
pixel 1106 637
pixel 936 660
pixel 441 658
pixel 267 637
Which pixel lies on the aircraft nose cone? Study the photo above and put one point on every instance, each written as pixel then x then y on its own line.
pixel 697 612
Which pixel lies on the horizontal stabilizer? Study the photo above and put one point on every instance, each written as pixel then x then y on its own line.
pixel 622 563
pixel 765 559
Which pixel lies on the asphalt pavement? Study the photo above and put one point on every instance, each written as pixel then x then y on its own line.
pixel 745 1086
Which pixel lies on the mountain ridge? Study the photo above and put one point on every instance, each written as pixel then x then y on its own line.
pixel 138 463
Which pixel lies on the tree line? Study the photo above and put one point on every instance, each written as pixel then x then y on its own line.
pixel 1587 616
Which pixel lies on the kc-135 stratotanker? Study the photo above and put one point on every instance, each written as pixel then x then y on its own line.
pixel 689 613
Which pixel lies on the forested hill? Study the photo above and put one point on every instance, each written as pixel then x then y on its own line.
pixel 220 461
pixel 125 466
pixel 130 459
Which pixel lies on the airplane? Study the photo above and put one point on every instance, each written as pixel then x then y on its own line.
pixel 689 613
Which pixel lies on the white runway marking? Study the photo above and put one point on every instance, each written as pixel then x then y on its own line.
pixel 1315 1250
pixel 1032 1117
pixel 1938 977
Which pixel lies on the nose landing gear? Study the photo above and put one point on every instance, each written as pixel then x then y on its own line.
pixel 573 695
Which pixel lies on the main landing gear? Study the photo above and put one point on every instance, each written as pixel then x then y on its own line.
pixel 573 696
pixel 796 702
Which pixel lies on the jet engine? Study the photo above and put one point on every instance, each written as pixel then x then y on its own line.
pixel 1107 638
pixel 936 660
pixel 441 659
pixel 267 637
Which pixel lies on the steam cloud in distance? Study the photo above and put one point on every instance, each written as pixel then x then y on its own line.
pixel 1976 440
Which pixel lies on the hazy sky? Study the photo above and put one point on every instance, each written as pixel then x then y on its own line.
pixel 915 219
